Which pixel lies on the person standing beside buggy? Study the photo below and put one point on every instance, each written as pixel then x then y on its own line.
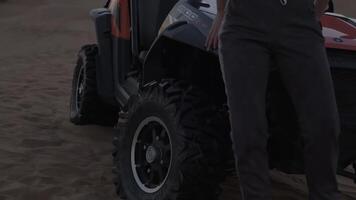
pixel 251 36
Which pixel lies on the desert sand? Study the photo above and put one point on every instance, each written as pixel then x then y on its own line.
pixel 346 7
pixel 42 155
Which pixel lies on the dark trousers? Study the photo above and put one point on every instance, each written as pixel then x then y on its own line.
pixel 259 34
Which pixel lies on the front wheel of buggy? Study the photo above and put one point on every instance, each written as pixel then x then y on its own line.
pixel 86 107
pixel 168 147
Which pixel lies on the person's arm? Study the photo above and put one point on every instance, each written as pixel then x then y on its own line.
pixel 221 6
pixel 213 40
pixel 320 8
pixel 330 7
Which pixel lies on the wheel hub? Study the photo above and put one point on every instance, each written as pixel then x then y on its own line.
pixel 151 154
pixel 80 89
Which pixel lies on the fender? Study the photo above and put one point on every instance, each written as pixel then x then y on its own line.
pixel 152 65
pixel 177 33
pixel 186 33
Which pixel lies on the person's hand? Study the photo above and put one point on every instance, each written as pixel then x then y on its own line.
pixel 212 41
pixel 320 8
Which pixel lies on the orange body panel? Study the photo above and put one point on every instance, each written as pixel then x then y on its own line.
pixel 122 8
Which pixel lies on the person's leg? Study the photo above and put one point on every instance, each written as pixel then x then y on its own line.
pixel 245 68
pixel 305 71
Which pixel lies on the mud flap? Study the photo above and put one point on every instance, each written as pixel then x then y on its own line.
pixel 105 79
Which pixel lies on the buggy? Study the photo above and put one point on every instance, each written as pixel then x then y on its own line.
pixel 151 77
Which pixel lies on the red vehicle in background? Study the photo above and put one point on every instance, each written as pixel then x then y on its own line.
pixel 151 77
pixel 339 32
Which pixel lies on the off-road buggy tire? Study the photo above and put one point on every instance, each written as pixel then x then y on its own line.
pixel 86 107
pixel 199 138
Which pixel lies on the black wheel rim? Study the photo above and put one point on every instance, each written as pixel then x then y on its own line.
pixel 151 154
pixel 80 88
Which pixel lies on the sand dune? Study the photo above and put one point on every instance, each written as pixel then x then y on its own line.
pixel 42 155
